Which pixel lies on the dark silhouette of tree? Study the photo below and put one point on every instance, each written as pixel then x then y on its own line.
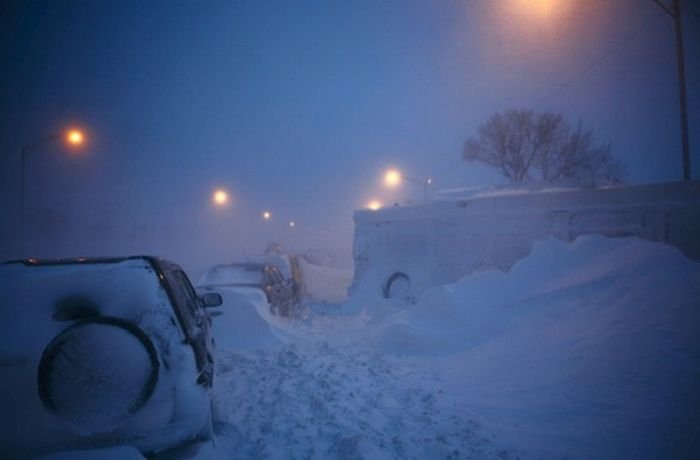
pixel 524 145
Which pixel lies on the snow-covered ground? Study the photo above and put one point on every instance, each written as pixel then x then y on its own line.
pixel 583 350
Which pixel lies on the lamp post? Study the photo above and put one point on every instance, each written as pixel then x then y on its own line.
pixel 73 137
pixel 674 10
pixel 392 179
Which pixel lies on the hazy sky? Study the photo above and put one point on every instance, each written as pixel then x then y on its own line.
pixel 297 107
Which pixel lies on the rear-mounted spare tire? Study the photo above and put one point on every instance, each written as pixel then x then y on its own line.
pixel 98 372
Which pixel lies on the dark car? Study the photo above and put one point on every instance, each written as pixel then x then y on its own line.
pixel 102 351
pixel 281 293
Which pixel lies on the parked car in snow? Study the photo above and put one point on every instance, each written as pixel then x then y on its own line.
pixel 281 293
pixel 98 352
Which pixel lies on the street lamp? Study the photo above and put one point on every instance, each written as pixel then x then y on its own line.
pixel 73 137
pixel 536 8
pixel 393 177
pixel 674 10
pixel 220 197
pixel 374 205
pixel 267 215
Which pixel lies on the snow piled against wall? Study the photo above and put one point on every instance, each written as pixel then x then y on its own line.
pixel 586 350
pixel 582 350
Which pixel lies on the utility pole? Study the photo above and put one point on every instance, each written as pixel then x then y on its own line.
pixel 675 12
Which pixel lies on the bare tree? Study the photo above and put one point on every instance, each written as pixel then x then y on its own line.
pixel 521 143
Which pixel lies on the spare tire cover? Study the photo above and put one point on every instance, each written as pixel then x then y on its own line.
pixel 98 372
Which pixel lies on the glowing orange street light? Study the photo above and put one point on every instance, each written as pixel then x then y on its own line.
pixel 220 197
pixel 267 215
pixel 392 178
pixel 75 137
pixel 536 9
pixel 374 205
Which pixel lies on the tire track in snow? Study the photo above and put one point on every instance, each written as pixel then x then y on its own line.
pixel 315 401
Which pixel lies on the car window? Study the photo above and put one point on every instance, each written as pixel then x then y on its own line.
pixel 193 320
pixel 186 301
pixel 187 288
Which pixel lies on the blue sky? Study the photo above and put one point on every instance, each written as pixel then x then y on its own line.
pixel 297 107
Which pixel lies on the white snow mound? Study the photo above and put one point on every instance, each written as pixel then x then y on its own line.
pixel 586 350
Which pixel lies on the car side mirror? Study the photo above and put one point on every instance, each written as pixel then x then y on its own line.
pixel 212 299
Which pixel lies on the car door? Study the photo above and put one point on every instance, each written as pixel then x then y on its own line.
pixel 195 323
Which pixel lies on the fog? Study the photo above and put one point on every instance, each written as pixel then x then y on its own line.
pixel 298 107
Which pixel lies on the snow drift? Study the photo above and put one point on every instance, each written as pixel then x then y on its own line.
pixel 589 349
pixel 243 321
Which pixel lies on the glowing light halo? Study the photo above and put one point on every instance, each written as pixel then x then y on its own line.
pixel 537 9
pixel 374 205
pixel 220 197
pixel 392 178
pixel 75 137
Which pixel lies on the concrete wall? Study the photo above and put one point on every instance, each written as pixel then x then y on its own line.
pixel 442 241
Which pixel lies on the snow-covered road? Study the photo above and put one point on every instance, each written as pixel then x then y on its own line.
pixel 316 401
pixel 583 350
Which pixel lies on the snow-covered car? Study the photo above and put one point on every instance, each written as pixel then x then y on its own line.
pixel 101 352
pixel 281 293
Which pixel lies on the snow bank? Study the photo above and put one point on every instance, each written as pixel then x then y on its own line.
pixel 243 321
pixel 460 315
pixel 584 350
